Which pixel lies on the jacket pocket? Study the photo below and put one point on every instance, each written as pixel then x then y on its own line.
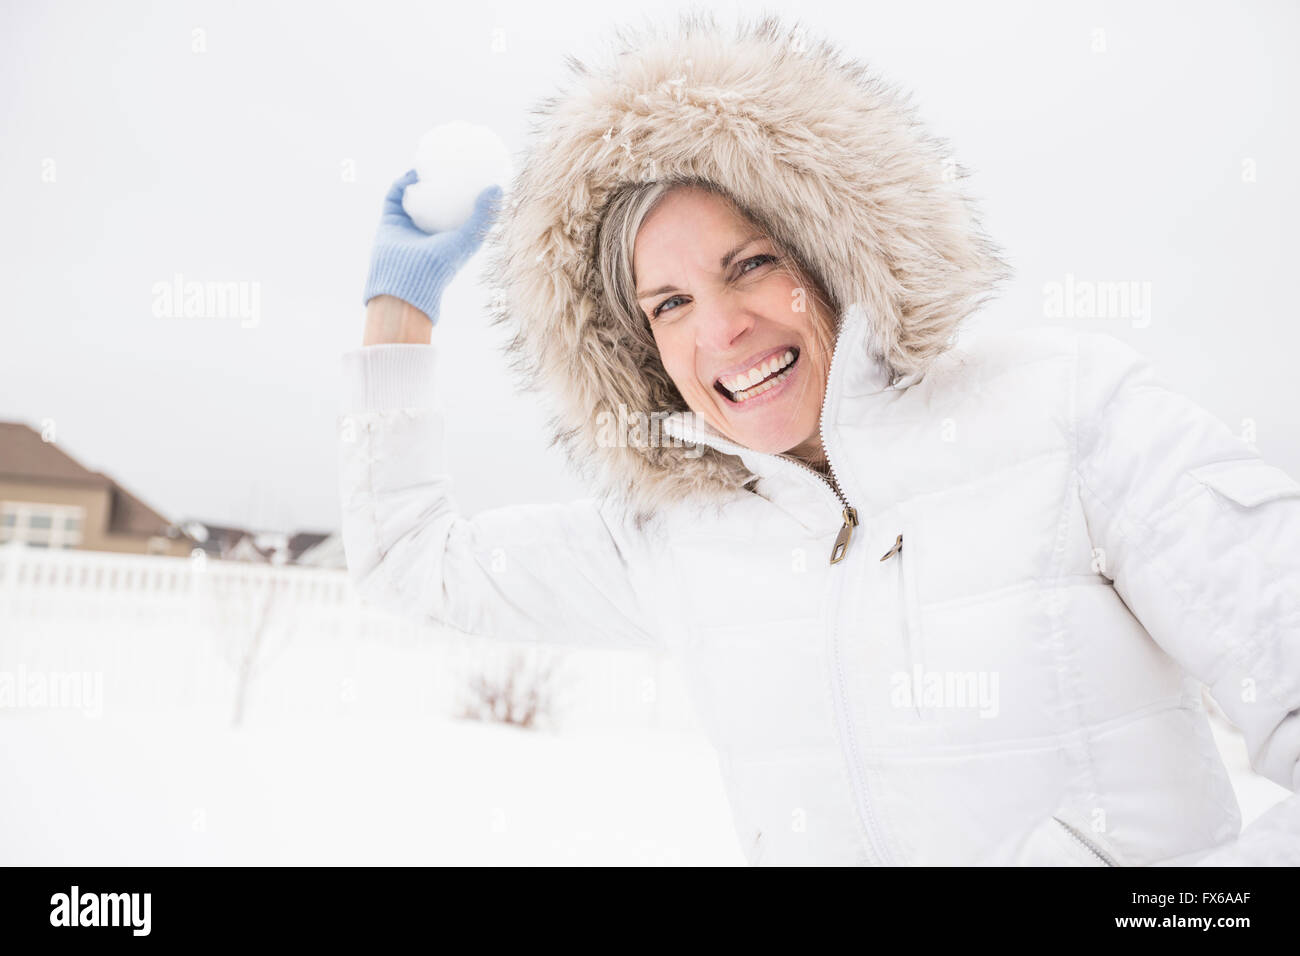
pixel 1247 483
pixel 903 555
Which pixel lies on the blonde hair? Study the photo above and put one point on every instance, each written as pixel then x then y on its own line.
pixel 624 214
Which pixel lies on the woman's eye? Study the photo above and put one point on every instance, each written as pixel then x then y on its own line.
pixel 759 259
pixel 659 307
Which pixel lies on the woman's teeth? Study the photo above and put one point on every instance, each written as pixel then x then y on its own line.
pixel 744 387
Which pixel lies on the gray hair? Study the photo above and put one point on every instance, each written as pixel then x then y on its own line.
pixel 624 214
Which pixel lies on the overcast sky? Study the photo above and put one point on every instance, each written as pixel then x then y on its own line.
pixel 1169 158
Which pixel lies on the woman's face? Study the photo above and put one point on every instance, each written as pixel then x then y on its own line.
pixel 728 320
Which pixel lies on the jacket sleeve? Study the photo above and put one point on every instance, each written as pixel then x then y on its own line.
pixel 566 573
pixel 1201 538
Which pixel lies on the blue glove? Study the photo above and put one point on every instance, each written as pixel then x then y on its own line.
pixel 415 266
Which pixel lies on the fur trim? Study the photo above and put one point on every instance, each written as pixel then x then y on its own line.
pixel 812 141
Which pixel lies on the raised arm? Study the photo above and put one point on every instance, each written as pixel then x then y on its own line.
pixel 562 573
pixel 559 573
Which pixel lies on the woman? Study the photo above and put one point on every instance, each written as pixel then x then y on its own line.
pixel 934 604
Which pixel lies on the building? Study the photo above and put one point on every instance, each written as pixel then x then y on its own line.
pixel 50 500
pixel 304 544
pixel 326 553
pixel 225 542
pixel 312 548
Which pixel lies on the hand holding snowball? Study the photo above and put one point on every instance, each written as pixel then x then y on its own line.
pixel 415 266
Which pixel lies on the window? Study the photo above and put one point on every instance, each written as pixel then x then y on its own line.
pixel 41 525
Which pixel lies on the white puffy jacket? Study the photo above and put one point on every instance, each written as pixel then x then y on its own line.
pixel 1051 551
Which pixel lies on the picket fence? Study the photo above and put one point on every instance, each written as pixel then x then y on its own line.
pixel 241 642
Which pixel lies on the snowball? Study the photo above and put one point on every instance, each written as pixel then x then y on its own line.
pixel 454 163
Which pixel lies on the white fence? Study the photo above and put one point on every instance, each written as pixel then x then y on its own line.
pixel 235 642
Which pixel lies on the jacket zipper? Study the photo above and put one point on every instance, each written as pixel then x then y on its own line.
pixel 875 835
pixel 848 512
pixel 850 517
pixel 838 552
pixel 1086 842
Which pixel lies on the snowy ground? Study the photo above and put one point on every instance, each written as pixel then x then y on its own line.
pixel 147 791
pixel 138 792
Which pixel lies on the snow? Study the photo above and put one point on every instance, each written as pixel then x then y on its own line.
pixel 143 791
pixel 346 751
pixel 454 162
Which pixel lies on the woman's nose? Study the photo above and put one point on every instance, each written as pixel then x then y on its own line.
pixel 722 324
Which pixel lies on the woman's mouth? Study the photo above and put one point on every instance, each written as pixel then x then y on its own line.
pixel 747 388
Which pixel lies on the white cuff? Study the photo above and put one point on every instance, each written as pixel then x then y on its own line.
pixel 388 376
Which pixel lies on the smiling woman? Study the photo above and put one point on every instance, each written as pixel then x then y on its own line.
pixel 741 327
pixel 1034 514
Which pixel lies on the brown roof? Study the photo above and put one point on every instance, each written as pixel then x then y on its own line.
pixel 129 515
pixel 25 457
pixel 304 540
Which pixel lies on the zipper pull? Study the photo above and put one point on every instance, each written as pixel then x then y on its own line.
pixel 846 531
pixel 898 546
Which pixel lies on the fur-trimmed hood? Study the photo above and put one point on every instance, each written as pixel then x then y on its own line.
pixel 807 138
